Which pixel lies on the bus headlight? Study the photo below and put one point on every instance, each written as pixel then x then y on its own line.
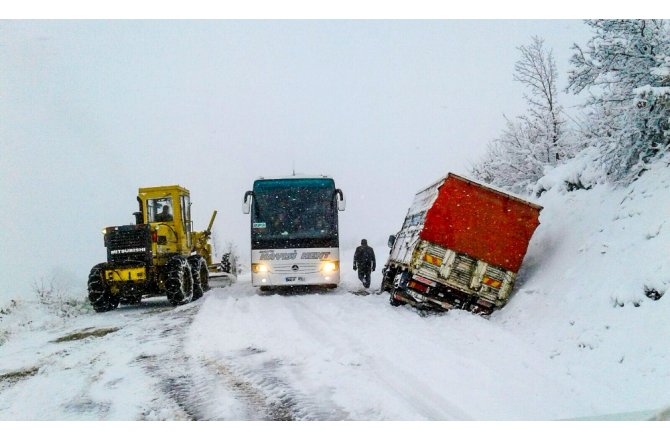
pixel 259 268
pixel 330 266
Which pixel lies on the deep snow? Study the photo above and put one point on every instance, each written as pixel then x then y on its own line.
pixel 578 339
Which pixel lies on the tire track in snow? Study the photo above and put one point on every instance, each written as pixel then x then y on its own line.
pixel 259 404
pixel 171 366
pixel 188 382
pixel 261 380
pixel 268 396
pixel 392 376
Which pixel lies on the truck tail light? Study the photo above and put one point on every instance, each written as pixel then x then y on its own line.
pixel 492 282
pixel 435 261
pixel 417 286
pixel 154 236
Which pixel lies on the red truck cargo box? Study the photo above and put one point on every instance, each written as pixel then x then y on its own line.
pixel 482 222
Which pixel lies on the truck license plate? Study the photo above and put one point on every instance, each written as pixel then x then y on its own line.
pixel 295 278
pixel 417 296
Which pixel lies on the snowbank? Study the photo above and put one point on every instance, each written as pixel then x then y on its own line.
pixel 593 291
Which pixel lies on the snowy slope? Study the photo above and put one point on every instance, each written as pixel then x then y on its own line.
pixel 580 338
pixel 582 298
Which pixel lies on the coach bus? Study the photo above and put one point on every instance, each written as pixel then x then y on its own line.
pixel 294 231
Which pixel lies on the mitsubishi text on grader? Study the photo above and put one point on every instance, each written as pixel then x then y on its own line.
pixel 160 255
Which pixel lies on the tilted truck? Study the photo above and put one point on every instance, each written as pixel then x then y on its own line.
pixel 461 246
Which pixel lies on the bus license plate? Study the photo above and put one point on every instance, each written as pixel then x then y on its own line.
pixel 295 278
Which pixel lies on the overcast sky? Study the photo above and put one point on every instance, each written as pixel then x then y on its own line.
pixel 92 110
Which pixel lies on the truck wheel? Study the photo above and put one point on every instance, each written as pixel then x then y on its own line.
pixel 386 280
pixel 99 294
pixel 179 283
pixel 394 302
pixel 200 275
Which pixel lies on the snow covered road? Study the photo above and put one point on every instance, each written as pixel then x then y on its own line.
pixel 123 365
pixel 333 355
pixel 239 354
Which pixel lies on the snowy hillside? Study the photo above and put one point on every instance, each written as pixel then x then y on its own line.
pixel 591 289
pixel 584 336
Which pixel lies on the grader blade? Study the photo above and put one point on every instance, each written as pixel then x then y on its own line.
pixel 219 278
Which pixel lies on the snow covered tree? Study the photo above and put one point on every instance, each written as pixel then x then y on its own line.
pixel 513 160
pixel 537 71
pixel 626 69
pixel 517 159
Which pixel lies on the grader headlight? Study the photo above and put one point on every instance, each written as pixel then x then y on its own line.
pixel 104 236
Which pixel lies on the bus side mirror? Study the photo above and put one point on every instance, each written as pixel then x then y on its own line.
pixel 391 240
pixel 341 203
pixel 246 207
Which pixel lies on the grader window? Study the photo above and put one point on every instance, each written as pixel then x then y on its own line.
pixel 160 210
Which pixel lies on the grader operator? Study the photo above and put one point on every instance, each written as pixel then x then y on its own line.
pixel 160 255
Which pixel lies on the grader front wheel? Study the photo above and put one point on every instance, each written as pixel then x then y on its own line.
pixel 200 275
pixel 179 283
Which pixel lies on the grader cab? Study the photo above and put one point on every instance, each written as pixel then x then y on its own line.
pixel 160 255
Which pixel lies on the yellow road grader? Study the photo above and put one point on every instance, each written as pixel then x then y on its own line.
pixel 160 255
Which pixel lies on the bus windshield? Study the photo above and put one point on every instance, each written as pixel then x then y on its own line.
pixel 294 213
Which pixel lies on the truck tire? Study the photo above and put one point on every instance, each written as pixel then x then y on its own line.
pixel 99 293
pixel 387 280
pixel 179 283
pixel 200 275
pixel 394 302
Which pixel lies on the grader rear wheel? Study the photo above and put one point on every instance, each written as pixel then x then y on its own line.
pixel 99 294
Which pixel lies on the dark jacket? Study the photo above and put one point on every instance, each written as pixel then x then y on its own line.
pixel 364 258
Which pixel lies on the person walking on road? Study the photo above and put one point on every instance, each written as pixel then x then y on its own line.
pixel 364 262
